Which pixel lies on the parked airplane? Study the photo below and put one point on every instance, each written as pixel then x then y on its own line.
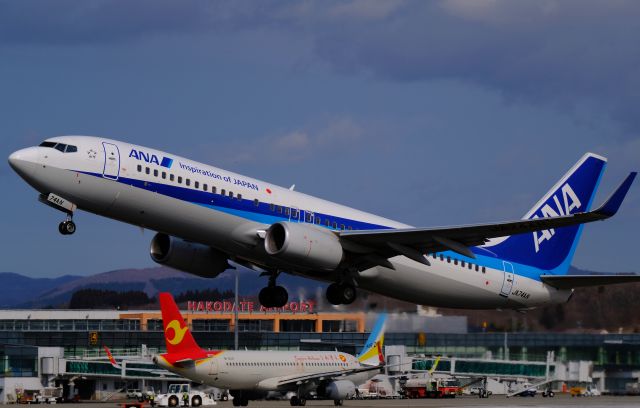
pixel 252 374
pixel 206 216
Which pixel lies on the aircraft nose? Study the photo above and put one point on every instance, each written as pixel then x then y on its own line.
pixel 24 161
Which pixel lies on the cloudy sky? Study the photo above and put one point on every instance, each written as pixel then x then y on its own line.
pixel 429 112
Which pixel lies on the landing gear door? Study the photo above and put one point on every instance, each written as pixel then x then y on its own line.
pixel 111 169
pixel 507 284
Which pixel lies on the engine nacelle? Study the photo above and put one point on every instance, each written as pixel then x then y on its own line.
pixel 189 257
pixel 304 245
pixel 340 390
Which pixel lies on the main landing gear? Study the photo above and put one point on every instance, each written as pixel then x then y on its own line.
pixel 273 295
pixel 341 293
pixel 67 227
pixel 297 402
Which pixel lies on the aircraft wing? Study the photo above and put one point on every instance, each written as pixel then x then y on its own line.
pixel 375 246
pixel 576 281
pixel 278 382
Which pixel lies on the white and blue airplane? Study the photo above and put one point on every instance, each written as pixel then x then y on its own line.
pixel 206 216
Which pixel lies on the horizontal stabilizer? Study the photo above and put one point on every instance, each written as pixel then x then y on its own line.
pixel 611 206
pixel 577 281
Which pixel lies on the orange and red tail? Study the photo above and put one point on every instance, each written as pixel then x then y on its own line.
pixel 177 335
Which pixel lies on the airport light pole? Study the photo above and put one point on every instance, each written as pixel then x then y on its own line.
pixel 235 315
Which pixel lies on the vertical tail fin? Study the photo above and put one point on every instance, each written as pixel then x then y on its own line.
pixel 177 335
pixel 552 250
pixel 371 353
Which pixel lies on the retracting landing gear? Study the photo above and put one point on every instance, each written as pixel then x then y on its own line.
pixel 341 293
pixel 273 295
pixel 67 227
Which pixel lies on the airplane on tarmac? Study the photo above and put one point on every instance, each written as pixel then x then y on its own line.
pixel 206 216
pixel 252 374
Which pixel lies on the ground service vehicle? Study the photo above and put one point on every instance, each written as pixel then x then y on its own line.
pixel 175 394
pixel 431 388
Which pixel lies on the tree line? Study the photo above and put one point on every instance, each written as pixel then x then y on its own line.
pixel 111 299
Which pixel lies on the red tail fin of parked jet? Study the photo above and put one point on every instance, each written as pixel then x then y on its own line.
pixel 177 335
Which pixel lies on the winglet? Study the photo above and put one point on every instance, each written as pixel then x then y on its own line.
pixel 380 355
pixel 611 206
pixel 111 359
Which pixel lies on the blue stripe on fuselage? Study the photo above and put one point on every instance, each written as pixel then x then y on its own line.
pixel 261 213
pixel 242 208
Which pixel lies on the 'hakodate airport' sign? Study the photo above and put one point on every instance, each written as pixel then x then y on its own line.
pixel 195 306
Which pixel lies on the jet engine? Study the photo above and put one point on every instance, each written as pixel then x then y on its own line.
pixel 340 390
pixel 304 245
pixel 190 257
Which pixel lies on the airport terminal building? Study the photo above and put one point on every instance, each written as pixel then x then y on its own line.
pixel 63 347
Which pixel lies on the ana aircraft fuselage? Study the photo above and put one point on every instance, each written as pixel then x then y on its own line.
pixel 211 207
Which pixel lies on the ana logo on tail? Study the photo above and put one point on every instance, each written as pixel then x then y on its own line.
pixel 178 332
pixel 570 202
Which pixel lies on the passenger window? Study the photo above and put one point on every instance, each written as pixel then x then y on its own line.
pixel 139 168
pixel 470 266
pixel 279 208
pixel 171 177
pixel 448 259
pixel 223 192
pixel 147 170
pixel 213 189
pixel 335 225
pixel 484 270
pixel 164 175
pixel 462 263
pixel 272 207
pixel 155 173
pixel 188 182
pixel 256 202
pixel 71 149
pixel 455 261
pixel 196 184
pixel 477 268
pixel 179 179
pixel 327 222
pixel 205 187
pixel 61 147
pixel 441 257
pixel 230 194
pixel 239 197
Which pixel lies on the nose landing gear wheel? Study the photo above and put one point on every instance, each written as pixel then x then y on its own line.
pixel 67 227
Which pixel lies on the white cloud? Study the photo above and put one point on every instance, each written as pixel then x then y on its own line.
pixel 337 134
pixel 365 9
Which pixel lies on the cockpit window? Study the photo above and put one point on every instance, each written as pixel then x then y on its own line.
pixel 64 148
